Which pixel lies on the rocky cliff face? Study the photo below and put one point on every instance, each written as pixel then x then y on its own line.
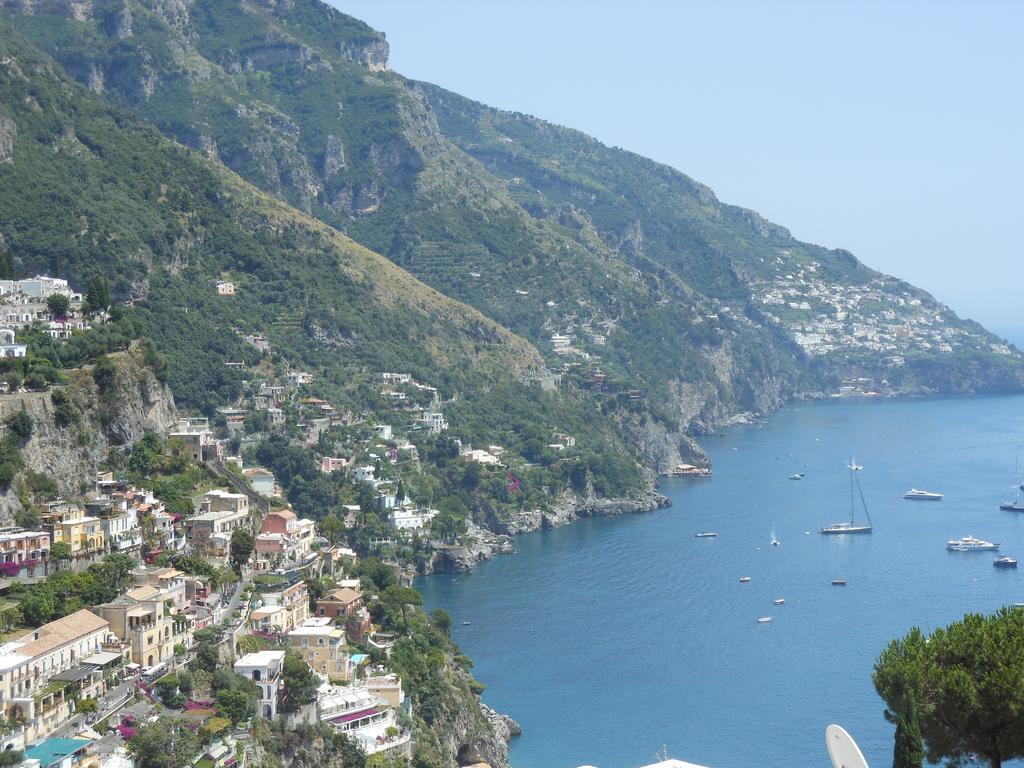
pixel 71 453
pixel 8 130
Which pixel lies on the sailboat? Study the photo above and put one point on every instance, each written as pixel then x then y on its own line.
pixel 852 527
pixel 1016 505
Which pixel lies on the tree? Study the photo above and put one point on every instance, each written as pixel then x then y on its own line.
pixel 167 743
pixel 331 528
pixel 908 751
pixel 97 298
pixel 20 424
pixel 86 706
pixel 299 684
pixel 242 543
pixel 60 550
pixel 964 681
pixel 58 304
pixel 442 621
pixel 236 705
pixel 395 600
pixel 168 688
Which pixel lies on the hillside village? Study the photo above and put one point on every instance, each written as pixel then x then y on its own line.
pixel 883 316
pixel 184 590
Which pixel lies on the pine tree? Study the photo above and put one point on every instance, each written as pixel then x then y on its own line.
pixel 908 752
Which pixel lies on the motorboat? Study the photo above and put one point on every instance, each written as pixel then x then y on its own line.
pixel 852 526
pixel 779 601
pixel 705 535
pixel 1004 562
pixel 915 494
pixel 970 544
pixel 764 619
pixel 744 579
pixel 838 582
pixel 1012 506
pixel 797 476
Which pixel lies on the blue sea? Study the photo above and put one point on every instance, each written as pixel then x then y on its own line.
pixel 610 638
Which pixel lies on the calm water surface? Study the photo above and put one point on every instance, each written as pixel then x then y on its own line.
pixel 609 638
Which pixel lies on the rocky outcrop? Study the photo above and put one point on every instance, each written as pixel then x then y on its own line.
pixel 480 545
pixel 8 131
pixel 334 157
pixel 73 432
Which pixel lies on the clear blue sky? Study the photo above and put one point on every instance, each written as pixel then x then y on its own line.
pixel 892 129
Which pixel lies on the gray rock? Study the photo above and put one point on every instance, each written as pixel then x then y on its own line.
pixel 8 132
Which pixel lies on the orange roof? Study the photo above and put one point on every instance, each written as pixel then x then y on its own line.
pixel 57 633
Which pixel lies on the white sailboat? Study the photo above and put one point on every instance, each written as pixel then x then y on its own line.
pixel 1017 505
pixel 852 526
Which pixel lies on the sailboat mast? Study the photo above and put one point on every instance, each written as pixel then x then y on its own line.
pixel 852 473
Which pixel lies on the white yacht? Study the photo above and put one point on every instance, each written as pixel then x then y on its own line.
pixel 970 544
pixel 915 494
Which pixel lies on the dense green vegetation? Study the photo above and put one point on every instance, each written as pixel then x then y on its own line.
pixel 164 225
pixel 65 592
pixel 962 683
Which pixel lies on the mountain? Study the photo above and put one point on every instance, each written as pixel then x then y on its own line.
pixel 86 190
pixel 645 295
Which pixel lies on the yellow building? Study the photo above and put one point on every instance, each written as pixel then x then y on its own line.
pixel 146 620
pixel 322 647
pixel 70 525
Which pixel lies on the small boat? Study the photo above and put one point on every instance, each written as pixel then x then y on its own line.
pixel 764 619
pixel 775 539
pixel 797 476
pixel 917 495
pixel 779 601
pixel 1004 562
pixel 744 579
pixel 970 544
pixel 465 623
pixel 838 582
pixel 705 535
pixel 852 527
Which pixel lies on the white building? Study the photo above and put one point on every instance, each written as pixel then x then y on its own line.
pixel 121 530
pixel 403 519
pixel 434 421
pixel 264 669
pixel 7 346
pixel 363 716
pixel 383 431
pixel 364 474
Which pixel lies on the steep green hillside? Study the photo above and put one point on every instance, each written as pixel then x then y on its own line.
pixel 86 190
pixel 674 310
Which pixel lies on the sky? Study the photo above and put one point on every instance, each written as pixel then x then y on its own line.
pixel 891 129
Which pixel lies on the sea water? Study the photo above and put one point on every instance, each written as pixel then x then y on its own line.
pixel 612 637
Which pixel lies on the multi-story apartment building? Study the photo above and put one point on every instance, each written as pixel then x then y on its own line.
pixel 264 669
pixel 22 551
pixel 30 691
pixel 220 513
pixel 283 537
pixel 146 619
pixel 322 646
pixel 284 609
pixel 69 524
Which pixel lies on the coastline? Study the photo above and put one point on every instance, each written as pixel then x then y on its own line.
pixel 483 543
